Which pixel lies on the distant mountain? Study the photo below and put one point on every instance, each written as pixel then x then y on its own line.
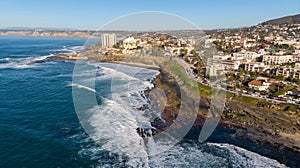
pixel 284 20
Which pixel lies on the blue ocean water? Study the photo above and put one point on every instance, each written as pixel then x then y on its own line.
pixel 39 126
pixel 37 115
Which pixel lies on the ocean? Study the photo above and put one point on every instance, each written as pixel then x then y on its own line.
pixel 41 127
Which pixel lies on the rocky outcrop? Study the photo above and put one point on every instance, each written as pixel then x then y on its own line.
pixel 73 56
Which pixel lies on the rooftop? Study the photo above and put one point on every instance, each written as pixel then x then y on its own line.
pixel 256 82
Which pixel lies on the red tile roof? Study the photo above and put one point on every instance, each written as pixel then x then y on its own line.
pixel 256 82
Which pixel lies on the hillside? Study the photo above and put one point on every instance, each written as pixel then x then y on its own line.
pixel 284 20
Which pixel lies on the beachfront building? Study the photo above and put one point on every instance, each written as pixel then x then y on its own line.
pixel 108 40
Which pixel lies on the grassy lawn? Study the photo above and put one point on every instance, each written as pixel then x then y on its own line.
pixel 177 70
pixel 203 89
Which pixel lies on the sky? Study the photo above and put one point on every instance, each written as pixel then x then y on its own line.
pixel 92 14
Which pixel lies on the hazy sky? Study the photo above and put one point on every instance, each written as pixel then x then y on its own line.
pixel 85 14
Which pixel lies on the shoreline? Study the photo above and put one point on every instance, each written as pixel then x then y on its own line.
pixel 257 139
pixel 231 133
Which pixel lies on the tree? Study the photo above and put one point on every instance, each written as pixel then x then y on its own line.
pixel 193 52
pixel 279 77
pixel 273 88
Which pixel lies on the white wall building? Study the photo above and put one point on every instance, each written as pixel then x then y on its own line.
pixel 130 43
pixel 287 72
pixel 221 57
pixel 259 85
pixel 254 66
pixel 245 56
pixel 277 59
pixel 215 69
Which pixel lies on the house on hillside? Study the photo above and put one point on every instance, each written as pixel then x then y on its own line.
pixel 259 85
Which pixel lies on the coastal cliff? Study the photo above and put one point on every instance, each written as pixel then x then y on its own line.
pixel 59 33
pixel 270 130
pixel 66 34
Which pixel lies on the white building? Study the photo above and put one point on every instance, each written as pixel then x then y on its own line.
pixel 296 58
pixel 254 66
pixel 221 57
pixel 259 85
pixel 297 52
pixel 245 56
pixel 277 59
pixel 214 69
pixel 108 40
pixel 287 72
pixel 130 43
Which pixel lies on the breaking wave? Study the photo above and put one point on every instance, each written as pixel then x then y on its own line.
pixel 65 49
pixel 21 63
pixel 116 119
pixel 82 87
pixel 189 154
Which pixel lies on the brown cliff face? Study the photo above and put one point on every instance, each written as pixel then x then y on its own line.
pixel 267 129
pixel 264 122
pixel 258 121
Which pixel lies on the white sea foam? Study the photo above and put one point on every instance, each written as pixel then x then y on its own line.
pixel 41 58
pixel 21 63
pixel 115 121
pixel 5 59
pixel 82 87
pixel 247 158
pixel 122 81
pixel 115 128
pixel 119 72
pixel 65 50
pixel 113 74
pixel 77 48
pixel 211 155
pixel 63 75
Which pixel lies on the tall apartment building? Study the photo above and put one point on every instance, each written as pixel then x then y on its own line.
pixel 108 40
